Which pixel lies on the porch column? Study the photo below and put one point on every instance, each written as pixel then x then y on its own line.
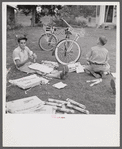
pixel 102 14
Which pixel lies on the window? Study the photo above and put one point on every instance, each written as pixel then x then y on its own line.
pixel 108 13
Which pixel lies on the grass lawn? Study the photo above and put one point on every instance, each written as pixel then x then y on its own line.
pixel 98 99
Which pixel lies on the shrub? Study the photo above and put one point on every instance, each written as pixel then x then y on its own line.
pixel 8 27
pixel 39 24
pixel 59 23
pixel 77 22
pixel 17 26
pixel 81 21
pixel 71 21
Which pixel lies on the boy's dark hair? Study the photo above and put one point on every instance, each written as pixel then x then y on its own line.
pixel 103 40
pixel 21 37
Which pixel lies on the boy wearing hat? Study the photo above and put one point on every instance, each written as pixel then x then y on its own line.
pixel 97 59
pixel 22 55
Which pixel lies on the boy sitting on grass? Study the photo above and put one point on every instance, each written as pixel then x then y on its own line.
pixel 97 59
pixel 23 56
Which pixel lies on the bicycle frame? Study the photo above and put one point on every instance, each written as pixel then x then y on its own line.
pixel 71 29
pixel 74 33
pixel 68 50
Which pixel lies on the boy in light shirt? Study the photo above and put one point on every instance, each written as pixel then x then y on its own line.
pixel 23 56
pixel 97 59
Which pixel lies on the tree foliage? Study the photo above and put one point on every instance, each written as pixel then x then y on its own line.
pixel 66 11
pixel 88 11
pixel 45 9
pixel 26 9
pixel 78 10
pixel 49 9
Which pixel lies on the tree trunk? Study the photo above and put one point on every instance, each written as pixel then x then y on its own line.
pixel 33 16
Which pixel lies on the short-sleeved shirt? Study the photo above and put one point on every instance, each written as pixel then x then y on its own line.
pixel 22 55
pixel 99 55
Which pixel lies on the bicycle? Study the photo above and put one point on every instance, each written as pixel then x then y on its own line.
pixel 67 50
pixel 48 40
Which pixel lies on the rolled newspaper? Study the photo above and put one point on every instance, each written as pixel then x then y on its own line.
pixel 76 103
pixel 78 109
pixel 53 104
pixel 57 101
pixel 64 110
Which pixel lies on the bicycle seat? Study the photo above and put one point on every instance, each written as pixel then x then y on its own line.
pixel 67 32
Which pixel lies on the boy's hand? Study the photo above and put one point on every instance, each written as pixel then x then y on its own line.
pixel 33 57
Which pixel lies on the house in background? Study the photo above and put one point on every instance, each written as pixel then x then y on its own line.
pixel 106 15
pixel 11 16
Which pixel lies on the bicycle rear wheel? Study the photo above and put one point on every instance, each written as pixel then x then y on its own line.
pixel 47 42
pixel 67 51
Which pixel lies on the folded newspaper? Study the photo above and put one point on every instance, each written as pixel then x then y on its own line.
pixel 50 63
pixel 29 105
pixel 59 85
pixel 80 68
pixel 41 67
pixel 29 81
pixel 76 67
pixel 24 105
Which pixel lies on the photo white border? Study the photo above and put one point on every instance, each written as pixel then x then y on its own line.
pixel 74 130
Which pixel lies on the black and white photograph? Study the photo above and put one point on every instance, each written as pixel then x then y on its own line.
pixel 61 65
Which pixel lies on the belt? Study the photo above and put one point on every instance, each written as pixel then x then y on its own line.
pixel 96 63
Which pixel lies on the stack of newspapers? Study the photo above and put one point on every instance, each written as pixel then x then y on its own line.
pixel 29 81
pixel 28 105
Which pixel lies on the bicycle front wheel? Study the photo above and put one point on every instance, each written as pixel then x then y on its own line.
pixel 67 51
pixel 47 42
